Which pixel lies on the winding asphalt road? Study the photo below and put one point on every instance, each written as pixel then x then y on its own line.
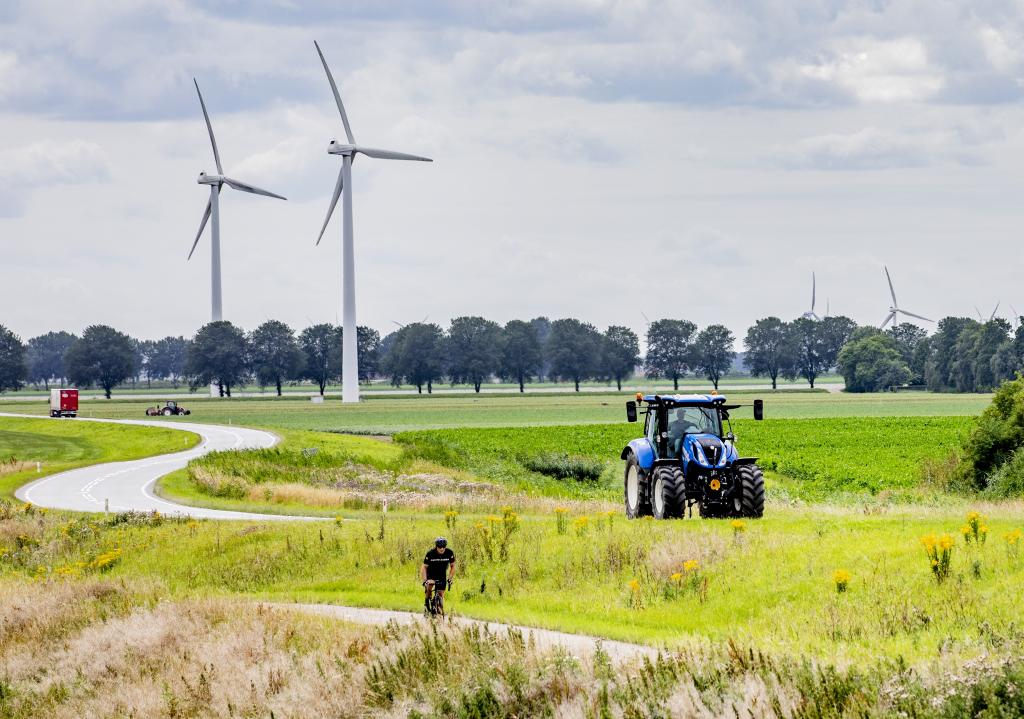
pixel 124 486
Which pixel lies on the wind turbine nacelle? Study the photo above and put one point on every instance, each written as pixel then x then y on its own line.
pixel 337 148
pixel 205 179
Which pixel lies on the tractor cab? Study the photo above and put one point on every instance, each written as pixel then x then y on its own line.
pixel 688 456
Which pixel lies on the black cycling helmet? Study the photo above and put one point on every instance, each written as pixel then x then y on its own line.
pixel 441 542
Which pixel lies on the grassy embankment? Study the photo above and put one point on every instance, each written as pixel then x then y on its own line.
pixel 109 648
pixel 63 445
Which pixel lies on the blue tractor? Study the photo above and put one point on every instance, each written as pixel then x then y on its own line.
pixel 685 459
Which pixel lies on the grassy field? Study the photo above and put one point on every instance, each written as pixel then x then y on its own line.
pixel 669 583
pixel 62 445
pixel 392 414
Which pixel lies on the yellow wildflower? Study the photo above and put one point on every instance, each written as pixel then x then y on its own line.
pixel 677 577
pixel 738 525
pixel 634 585
pixel 691 565
pixel 841 578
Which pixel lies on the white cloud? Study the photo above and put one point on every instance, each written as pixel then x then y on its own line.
pixel 873 70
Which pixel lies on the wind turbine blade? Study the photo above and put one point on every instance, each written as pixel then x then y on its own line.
pixel 390 154
pixel 202 226
pixel 209 129
pixel 337 95
pixel 892 316
pixel 980 318
pixel 993 315
pixel 1015 313
pixel 334 202
pixel 398 323
pixel 245 187
pixel 911 314
pixel 891 290
pixel 814 289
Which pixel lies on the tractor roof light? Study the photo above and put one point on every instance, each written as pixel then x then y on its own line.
pixel 639 396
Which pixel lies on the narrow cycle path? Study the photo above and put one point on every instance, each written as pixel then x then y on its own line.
pixel 542 638
pixel 128 486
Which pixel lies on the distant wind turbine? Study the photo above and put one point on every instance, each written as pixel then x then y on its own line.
pixel 349 357
pixel 1016 315
pixel 403 325
pixel 895 308
pixel 213 212
pixel 810 314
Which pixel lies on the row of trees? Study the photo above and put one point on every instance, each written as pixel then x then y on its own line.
pixel 802 348
pixel 472 351
pixel 219 354
pixel 963 355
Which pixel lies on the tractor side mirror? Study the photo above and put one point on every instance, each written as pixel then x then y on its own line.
pixel 758 409
pixel 631 411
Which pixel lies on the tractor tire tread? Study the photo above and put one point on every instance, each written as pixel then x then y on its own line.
pixel 675 490
pixel 752 484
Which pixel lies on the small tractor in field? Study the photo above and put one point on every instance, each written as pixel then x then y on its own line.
pixel 685 459
pixel 170 408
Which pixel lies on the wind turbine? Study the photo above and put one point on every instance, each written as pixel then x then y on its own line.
pixel 895 308
pixel 810 314
pixel 213 211
pixel 1016 316
pixel 349 358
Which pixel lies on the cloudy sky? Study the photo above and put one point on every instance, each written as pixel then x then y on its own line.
pixel 597 159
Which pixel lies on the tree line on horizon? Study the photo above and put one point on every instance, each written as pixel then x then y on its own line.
pixel 963 355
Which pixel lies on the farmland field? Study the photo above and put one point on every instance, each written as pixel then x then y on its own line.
pixel 393 414
pixel 759 601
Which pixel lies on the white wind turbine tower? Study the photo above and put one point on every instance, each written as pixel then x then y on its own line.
pixel 810 314
pixel 213 212
pixel 349 358
pixel 895 308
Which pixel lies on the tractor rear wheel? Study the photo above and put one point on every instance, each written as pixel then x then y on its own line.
pixel 167 412
pixel 668 492
pixel 636 490
pixel 750 500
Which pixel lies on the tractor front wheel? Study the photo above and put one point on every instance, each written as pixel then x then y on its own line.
pixel 668 492
pixel 749 502
pixel 637 496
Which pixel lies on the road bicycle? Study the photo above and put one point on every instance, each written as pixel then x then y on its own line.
pixel 435 601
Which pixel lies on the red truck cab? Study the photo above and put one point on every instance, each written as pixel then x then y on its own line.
pixel 63 402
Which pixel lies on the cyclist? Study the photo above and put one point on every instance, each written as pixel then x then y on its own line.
pixel 437 570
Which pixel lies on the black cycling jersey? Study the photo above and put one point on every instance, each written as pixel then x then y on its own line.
pixel 437 564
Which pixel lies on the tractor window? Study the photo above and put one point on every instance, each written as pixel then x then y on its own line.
pixel 690 420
